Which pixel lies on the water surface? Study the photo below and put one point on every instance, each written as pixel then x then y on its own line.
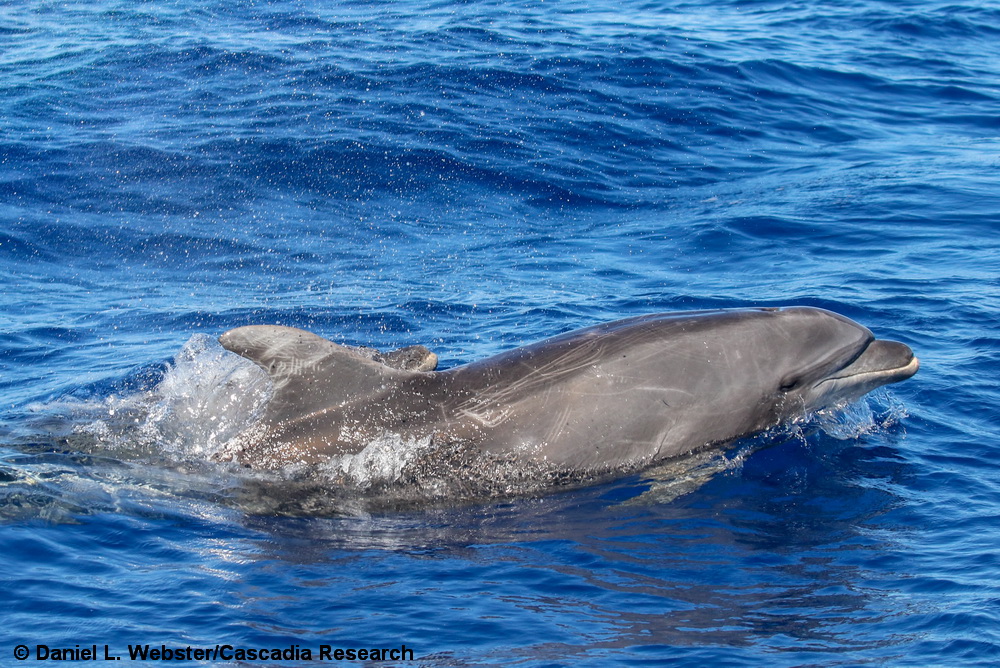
pixel 474 176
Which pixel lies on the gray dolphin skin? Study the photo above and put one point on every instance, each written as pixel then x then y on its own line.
pixel 613 396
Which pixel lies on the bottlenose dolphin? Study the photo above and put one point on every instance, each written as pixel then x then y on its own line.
pixel 613 396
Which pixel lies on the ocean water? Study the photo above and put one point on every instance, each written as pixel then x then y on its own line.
pixel 472 176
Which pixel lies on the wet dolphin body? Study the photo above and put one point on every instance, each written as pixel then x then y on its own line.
pixel 616 395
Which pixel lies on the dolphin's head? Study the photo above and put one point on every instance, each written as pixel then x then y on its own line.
pixel 826 359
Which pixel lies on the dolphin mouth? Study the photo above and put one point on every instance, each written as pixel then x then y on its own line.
pixel 879 363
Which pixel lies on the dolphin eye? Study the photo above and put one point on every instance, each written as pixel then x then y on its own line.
pixel 788 384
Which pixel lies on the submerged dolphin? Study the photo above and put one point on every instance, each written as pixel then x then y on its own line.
pixel 617 395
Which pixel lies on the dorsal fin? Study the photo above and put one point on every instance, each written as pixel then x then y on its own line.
pixel 309 373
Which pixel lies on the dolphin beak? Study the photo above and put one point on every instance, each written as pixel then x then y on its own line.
pixel 880 363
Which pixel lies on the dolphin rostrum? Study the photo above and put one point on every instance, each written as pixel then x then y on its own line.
pixel 614 396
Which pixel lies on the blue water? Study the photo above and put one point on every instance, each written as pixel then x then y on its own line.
pixel 474 176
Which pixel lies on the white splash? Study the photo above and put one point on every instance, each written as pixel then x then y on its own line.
pixel 872 414
pixel 381 461
pixel 206 397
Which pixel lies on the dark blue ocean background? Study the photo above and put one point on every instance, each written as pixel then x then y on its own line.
pixel 473 176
